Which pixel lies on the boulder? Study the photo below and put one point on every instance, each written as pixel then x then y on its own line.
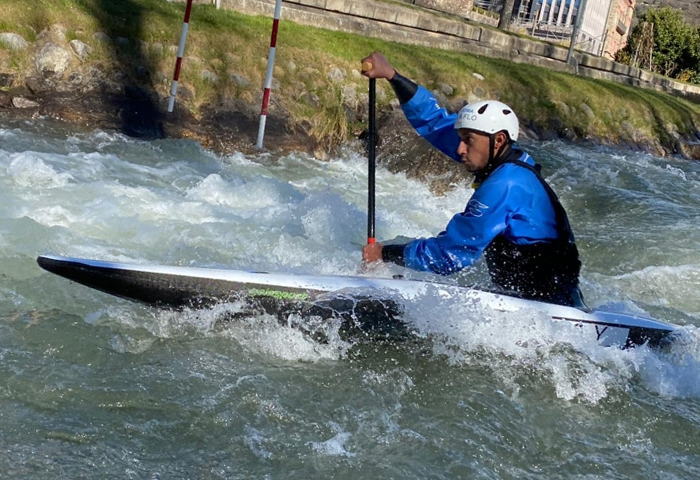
pixel 13 41
pixel 336 75
pixel 690 150
pixel 56 33
pixel 349 95
pixel 37 85
pixel 311 99
pixel 52 59
pixel 239 80
pixel 81 50
pixel 209 76
pixel 446 89
pixel 102 37
pixel 7 79
pixel 440 97
pixel 156 47
pixel 588 111
pixel 5 100
pixel 21 102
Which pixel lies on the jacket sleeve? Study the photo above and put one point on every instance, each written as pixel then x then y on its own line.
pixel 467 234
pixel 432 122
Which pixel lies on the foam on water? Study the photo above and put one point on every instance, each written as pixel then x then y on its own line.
pixel 106 196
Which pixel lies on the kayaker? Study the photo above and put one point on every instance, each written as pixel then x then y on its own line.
pixel 513 217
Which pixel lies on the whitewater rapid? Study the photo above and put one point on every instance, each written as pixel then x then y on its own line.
pixel 106 196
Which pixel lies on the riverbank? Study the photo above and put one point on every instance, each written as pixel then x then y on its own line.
pixel 96 64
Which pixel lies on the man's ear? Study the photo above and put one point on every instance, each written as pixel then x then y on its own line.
pixel 501 139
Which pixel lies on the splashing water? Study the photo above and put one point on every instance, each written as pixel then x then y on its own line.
pixel 121 389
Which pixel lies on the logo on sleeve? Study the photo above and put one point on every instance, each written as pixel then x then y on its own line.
pixel 475 208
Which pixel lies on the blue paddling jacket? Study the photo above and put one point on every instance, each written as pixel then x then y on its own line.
pixel 513 218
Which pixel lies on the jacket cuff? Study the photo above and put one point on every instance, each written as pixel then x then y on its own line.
pixel 393 254
pixel 404 88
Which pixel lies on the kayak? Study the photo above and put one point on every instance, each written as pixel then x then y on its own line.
pixel 366 305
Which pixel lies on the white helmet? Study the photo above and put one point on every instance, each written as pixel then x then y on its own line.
pixel 489 117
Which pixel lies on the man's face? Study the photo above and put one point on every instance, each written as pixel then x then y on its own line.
pixel 473 149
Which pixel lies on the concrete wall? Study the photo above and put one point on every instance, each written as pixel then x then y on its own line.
pixel 392 21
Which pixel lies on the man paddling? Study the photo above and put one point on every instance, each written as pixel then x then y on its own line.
pixel 513 218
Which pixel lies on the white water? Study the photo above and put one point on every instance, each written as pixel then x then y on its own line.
pixel 105 196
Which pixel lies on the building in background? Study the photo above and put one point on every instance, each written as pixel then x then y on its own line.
pixel 618 27
pixel 604 29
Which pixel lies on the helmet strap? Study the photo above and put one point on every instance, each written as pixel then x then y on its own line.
pixel 492 146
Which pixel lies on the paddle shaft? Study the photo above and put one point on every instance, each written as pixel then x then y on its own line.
pixel 371 164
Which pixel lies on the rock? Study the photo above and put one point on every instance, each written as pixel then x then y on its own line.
pixel 471 98
pixel 278 72
pixel 456 104
pixel 446 89
pixel 349 95
pixel 232 59
pixel 689 150
pixel 478 76
pixel 588 111
pixel 156 47
pixel 311 99
pixel 239 80
pixel 356 75
pixel 5 100
pixel 528 133
pixel 630 131
pixel 13 41
pixel 7 79
pixel 479 93
pixel 194 60
pixel 56 33
pixel 82 50
pixel 672 129
pixel 310 73
pixel 336 75
pixel 209 76
pixel 160 77
pixel 291 66
pixel 440 97
pixel 37 85
pixel 21 102
pixel 101 37
pixel 52 60
pixel 562 107
pixel 142 72
pixel 395 104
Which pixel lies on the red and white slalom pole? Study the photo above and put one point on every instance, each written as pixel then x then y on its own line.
pixel 180 54
pixel 268 74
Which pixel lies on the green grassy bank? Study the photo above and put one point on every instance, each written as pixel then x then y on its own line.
pixel 319 86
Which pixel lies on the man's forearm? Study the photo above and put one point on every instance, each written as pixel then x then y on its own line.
pixel 404 88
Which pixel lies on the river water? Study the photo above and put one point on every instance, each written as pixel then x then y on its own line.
pixel 92 386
